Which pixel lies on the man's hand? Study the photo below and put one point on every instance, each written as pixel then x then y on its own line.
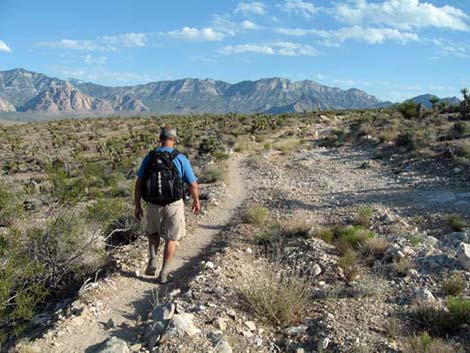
pixel 196 207
pixel 138 213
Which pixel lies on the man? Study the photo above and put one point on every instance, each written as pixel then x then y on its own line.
pixel 159 183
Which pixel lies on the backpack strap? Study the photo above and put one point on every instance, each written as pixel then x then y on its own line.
pixel 174 154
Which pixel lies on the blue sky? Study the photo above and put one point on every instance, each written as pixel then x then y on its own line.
pixel 393 49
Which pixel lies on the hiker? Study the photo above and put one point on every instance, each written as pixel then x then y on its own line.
pixel 160 183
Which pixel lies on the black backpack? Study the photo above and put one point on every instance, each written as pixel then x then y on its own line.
pixel 162 184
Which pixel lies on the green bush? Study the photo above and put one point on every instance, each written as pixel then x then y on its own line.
pixel 350 237
pixel 424 343
pixel 9 207
pixel 456 222
pixel 256 215
pixel 364 216
pixel 212 175
pixel 409 110
pixel 453 285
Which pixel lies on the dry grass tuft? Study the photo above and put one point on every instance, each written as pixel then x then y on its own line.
pixel 453 285
pixel 424 343
pixel 256 214
pixel 279 301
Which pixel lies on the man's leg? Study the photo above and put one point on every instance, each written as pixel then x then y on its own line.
pixel 154 243
pixel 168 254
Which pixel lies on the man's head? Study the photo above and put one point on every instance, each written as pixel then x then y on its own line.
pixel 167 136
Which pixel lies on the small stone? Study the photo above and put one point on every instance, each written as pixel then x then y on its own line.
pixel 249 251
pixel 135 347
pixel 251 325
pixel 296 330
pixel 220 323
pixel 316 270
pixel 323 344
pixel 182 324
pixel 209 265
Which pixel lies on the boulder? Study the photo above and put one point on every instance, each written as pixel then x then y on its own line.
pixel 424 296
pixel 113 345
pixel 463 255
pixel 182 324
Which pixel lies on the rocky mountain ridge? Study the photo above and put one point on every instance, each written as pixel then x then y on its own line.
pixel 26 91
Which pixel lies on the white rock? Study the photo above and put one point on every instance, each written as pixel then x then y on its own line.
pixel 223 347
pixel 249 251
pixel 163 312
pixel 182 324
pixel 113 345
pixel 424 296
pixel 463 255
pixel 316 270
pixel 209 265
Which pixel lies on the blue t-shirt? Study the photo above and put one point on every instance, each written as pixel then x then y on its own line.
pixel 185 171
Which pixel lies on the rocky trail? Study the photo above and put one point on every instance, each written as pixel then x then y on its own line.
pixel 119 303
pixel 324 187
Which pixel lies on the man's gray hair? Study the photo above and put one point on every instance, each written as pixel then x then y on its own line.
pixel 167 132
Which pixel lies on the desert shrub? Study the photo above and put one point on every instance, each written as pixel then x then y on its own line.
pixel 364 216
pixel 424 343
pixel 374 248
pixel 9 207
pixel 296 227
pixel 267 145
pixel 286 145
pixel 459 129
pixel 402 265
pixel 256 214
pixel 413 139
pixel 277 300
pixel 409 110
pixel 455 222
pixel 460 310
pixel 453 285
pixel 441 321
pixel 324 233
pixel 43 260
pixel 349 263
pixel 212 175
pixel 350 238
pixel 243 144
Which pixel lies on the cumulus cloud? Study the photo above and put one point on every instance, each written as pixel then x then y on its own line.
pixel 255 7
pixel 102 43
pixel 357 33
pixel 298 7
pixel 108 76
pixel 195 34
pixel 4 47
pixel 402 14
pixel 277 48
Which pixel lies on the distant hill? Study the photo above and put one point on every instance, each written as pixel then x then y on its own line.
pixel 31 92
pixel 424 100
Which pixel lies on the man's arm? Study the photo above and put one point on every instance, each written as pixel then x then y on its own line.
pixel 194 191
pixel 139 212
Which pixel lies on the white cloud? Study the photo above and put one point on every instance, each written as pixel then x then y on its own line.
pixel 90 59
pixel 357 33
pixel 223 23
pixel 447 47
pixel 247 48
pixel 256 7
pixel 194 34
pixel 298 7
pixel 108 76
pixel 402 14
pixel 4 47
pixel 102 43
pixel 277 48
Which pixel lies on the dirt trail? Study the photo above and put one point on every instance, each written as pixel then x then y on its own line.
pixel 127 296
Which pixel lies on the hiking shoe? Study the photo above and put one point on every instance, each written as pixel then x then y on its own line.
pixel 151 267
pixel 163 278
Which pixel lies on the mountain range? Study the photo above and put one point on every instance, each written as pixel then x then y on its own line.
pixel 25 91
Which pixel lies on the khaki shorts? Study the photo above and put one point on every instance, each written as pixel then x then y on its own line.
pixel 166 221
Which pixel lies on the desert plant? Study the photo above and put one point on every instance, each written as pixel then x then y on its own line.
pixel 296 227
pixel 402 265
pixel 364 216
pixel 256 214
pixel 434 100
pixel 8 206
pixel 279 301
pixel 324 233
pixel 212 175
pixel 350 238
pixel 286 145
pixel 374 248
pixel 409 110
pixel 453 285
pixel 455 222
pixel 349 263
pixel 424 343
pixel 460 310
